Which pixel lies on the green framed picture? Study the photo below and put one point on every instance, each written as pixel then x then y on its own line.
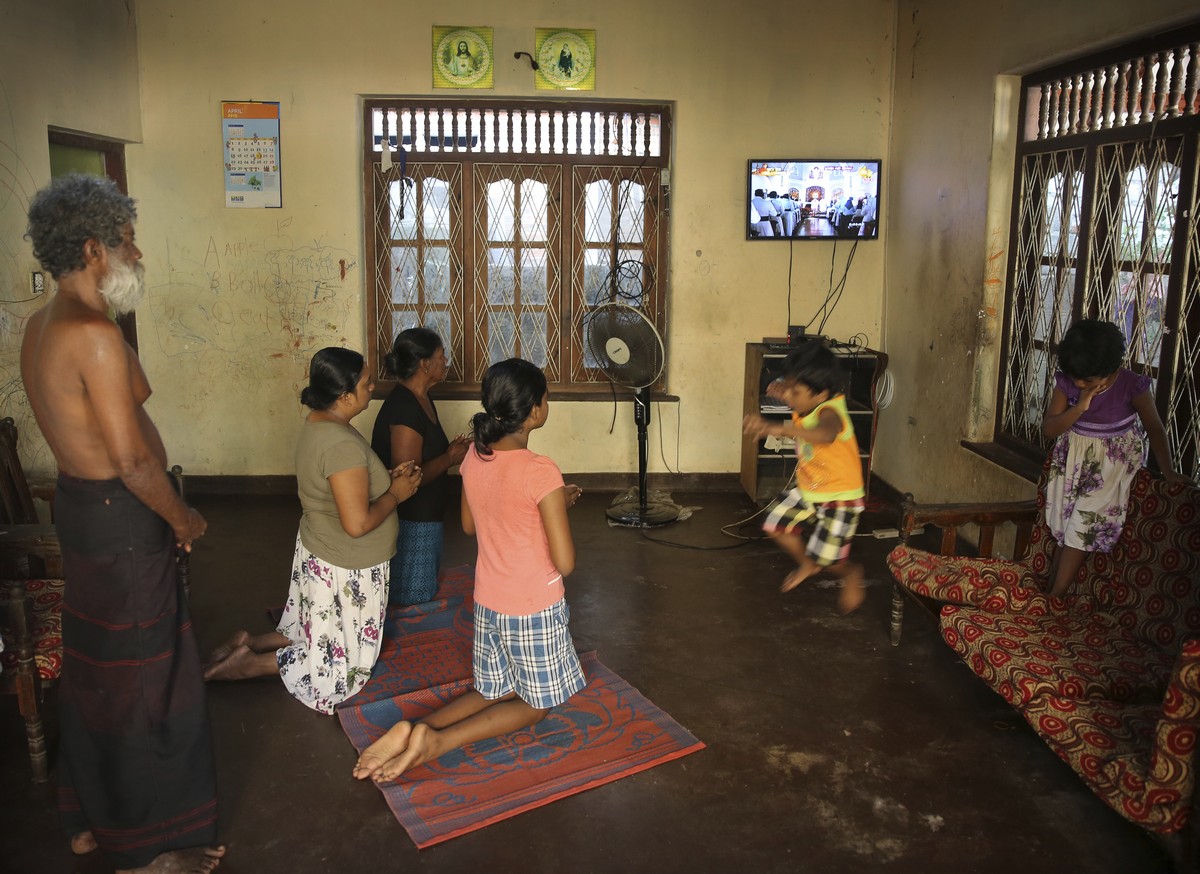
pixel 462 57
pixel 566 59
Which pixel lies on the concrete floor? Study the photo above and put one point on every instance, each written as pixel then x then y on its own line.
pixel 828 749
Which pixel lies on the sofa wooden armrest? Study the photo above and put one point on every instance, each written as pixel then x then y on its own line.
pixel 950 518
pixel 988 517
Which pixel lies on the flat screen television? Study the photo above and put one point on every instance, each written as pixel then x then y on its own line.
pixel 813 199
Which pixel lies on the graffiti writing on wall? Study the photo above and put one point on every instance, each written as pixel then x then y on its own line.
pixel 241 305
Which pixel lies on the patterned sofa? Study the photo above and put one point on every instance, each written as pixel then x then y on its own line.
pixel 1109 675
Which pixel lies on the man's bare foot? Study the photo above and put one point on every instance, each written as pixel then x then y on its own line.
pixel 241 664
pixel 795 578
pixel 378 754
pixel 421 747
pixel 225 650
pixel 852 594
pixel 196 860
pixel 83 843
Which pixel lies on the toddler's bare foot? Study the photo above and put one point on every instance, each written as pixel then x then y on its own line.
pixel 83 843
pixel 852 594
pixel 197 860
pixel 378 754
pixel 421 748
pixel 795 578
pixel 225 650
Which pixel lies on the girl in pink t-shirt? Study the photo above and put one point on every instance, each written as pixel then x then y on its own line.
pixel 524 661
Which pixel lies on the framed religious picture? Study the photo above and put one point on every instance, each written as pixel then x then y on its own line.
pixel 566 59
pixel 462 57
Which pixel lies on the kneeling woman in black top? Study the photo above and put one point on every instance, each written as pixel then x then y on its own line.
pixel 407 429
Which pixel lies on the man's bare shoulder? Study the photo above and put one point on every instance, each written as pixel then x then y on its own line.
pixel 73 327
pixel 64 347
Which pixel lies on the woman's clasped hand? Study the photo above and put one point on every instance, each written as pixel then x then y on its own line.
pixel 406 479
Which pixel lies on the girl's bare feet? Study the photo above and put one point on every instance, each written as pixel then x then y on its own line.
pixel 421 747
pixel 196 860
pixel 83 843
pixel 378 754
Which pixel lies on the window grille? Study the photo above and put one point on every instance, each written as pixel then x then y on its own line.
pixel 1104 226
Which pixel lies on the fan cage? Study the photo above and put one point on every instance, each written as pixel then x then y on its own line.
pixel 631 330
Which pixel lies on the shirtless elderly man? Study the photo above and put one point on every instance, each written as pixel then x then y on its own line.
pixel 136 775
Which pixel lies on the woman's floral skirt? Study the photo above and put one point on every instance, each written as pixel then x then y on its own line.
pixel 334 618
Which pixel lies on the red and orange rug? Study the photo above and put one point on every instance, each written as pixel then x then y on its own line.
pixel 605 732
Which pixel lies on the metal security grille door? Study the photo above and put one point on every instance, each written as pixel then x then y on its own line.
pixel 499 225
pixel 1043 286
pixel 1179 375
pixel 1105 226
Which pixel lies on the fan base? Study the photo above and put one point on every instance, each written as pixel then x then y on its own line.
pixel 631 513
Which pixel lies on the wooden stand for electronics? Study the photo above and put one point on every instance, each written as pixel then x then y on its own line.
pixel 766 466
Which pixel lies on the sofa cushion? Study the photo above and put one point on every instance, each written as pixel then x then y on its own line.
pixel 1139 758
pixel 955 579
pixel 1079 653
pixel 47 631
pixel 1150 578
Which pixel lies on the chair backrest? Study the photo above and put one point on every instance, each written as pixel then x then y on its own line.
pixel 1150 582
pixel 16 499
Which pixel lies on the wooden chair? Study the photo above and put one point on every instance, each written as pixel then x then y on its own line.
pixel 31 598
pixel 31 593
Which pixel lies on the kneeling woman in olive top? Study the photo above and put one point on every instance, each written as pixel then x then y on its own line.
pixel 332 625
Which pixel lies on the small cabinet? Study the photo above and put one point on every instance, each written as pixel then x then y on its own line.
pixel 767 465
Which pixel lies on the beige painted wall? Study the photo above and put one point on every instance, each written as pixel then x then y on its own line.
pixel 241 298
pixel 71 65
pixel 951 158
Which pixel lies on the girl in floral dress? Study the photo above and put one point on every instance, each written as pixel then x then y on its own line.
pixel 1101 414
pixel 328 638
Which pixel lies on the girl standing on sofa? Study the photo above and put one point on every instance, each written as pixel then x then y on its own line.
pixel 1101 414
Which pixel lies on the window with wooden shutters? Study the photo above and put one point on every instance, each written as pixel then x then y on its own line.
pixel 499 224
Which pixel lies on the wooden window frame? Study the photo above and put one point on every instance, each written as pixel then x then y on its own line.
pixel 1098 110
pixel 624 149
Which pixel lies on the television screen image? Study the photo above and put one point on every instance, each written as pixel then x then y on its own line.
pixel 813 199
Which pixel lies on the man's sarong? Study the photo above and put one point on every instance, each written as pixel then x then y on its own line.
pixel 135 760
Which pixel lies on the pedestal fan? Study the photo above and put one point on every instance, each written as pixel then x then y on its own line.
pixel 627 347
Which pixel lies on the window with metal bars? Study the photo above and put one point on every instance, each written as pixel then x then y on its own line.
pixel 1104 226
pixel 499 224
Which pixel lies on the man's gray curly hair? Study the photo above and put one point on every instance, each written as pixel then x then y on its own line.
pixel 71 210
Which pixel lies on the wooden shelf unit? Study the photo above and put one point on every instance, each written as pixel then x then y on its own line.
pixel 764 472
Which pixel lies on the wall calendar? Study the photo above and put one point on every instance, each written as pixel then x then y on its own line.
pixel 251 134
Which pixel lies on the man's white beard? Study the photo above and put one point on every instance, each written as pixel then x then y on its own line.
pixel 124 286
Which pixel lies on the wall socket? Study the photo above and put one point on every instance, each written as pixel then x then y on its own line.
pixel 37 283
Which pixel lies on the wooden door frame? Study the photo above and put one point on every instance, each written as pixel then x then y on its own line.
pixel 114 168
